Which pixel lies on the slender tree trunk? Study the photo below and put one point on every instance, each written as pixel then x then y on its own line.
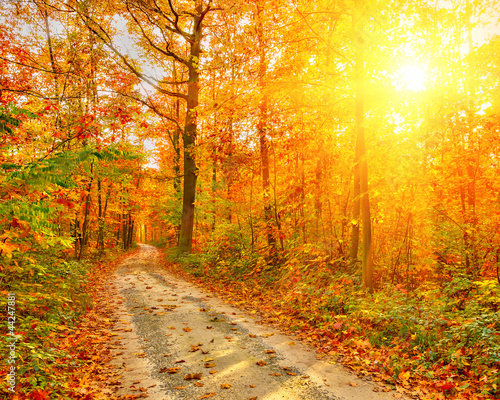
pixel 176 139
pixel 124 229
pixel 102 215
pixel 318 205
pixel 367 256
pixel 130 234
pixel 86 220
pixel 51 53
pixel 229 172
pixel 100 218
pixel 356 210
pixel 262 130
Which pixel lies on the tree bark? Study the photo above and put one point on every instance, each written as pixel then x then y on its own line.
pixel 262 130
pixel 189 137
pixel 367 256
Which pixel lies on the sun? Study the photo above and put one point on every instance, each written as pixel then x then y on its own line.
pixel 410 77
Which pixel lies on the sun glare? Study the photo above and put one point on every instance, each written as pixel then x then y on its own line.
pixel 410 78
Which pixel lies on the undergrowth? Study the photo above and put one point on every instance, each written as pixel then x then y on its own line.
pixel 51 298
pixel 441 341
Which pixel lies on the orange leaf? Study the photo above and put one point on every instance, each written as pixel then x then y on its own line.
pixel 207 395
pixel 192 376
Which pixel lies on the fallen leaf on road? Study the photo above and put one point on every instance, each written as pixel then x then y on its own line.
pixel 209 365
pixel 252 336
pixel 252 386
pixel 270 352
pixel 214 371
pixel 207 395
pixel 353 384
pixel 187 329
pixel 192 376
pixel 172 370
pixel 210 327
pixel 291 373
pixel 261 363
pixel 198 383
pixel 276 374
pixel 225 386
pixel 180 387
pixel 252 398
pixel 180 361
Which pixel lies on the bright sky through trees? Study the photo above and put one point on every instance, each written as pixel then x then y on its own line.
pixel 411 78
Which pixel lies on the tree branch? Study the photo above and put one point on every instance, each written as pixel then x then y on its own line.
pixel 151 106
pixel 102 35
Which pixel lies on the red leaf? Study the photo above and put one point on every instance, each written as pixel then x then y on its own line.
pixel 447 386
pixel 338 325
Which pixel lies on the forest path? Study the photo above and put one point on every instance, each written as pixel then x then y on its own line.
pixel 164 324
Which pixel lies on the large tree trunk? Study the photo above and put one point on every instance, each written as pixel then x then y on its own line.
pixel 189 139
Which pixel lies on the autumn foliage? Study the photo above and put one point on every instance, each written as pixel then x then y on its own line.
pixel 337 161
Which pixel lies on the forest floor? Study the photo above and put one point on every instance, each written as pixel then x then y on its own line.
pixel 169 339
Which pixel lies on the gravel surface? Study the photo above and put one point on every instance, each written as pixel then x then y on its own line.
pixel 174 341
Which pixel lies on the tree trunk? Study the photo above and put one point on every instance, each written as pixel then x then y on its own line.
pixel 102 215
pixel 189 138
pixel 86 220
pixel 176 139
pixel 262 130
pixel 367 256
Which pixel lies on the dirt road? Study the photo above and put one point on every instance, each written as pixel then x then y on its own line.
pixel 174 341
